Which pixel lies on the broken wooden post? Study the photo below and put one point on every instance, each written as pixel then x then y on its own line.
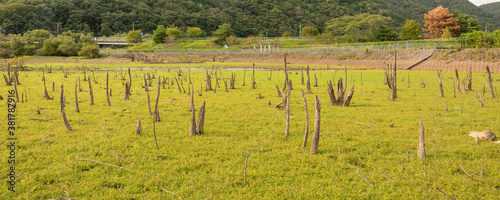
pixel 138 129
pixel 302 77
pixel 469 84
pixel 308 82
pixel 390 77
pixel 481 101
pixel 348 98
pixel 287 113
pixel 127 88
pixel 331 93
pixel 66 123
pixel 107 88
pixel 279 92
pixel 80 85
pixel 286 70
pixel 130 84
pixel 340 92
pixel 315 80
pixel 46 94
pixel 178 85
pixel 156 114
pixel 192 125
pixel 201 120
pixel 304 143
pixel 253 76
pixel 208 86
pixel 490 81
pixel 441 93
pixel 91 93
pixel 458 81
pixel 317 120
pixel 15 88
pixel 149 101
pixel 76 97
pixel 232 81
pixel 421 141
pixel 225 84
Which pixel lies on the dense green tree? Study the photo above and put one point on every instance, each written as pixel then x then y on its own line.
pixel 412 30
pixel 134 37
pixel 309 31
pixel 36 37
pixel 287 34
pixel 467 23
pixel 90 51
pixel 385 33
pixel 68 46
pixel 357 28
pixel 194 32
pixel 325 38
pixel 50 47
pixel 222 33
pixel 476 39
pixel 173 32
pixel 248 17
pixel 160 34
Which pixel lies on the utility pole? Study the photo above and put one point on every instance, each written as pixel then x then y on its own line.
pixel 300 31
pixel 57 28
pixel 133 25
pixel 468 26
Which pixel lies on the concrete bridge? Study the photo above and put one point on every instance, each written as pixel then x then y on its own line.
pixel 109 42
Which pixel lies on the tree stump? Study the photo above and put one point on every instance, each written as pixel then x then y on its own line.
pixel 66 123
pixel 421 141
pixel 201 120
pixel 317 121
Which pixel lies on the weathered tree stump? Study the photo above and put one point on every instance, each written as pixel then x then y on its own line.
pixel 138 129
pixel 107 89
pixel 76 96
pixel 66 123
pixel 348 99
pixel 192 125
pixel 441 93
pixel 279 92
pixel 91 93
pixel 306 134
pixel 421 141
pixel 317 121
pixel 308 82
pixel 156 114
pixel 201 120
pixel 490 82
pixel 253 76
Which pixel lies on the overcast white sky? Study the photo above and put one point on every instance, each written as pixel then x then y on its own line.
pixel 481 2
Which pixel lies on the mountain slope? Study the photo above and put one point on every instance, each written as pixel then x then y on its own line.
pixel 493 8
pixel 247 17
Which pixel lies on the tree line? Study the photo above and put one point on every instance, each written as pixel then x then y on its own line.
pixel 247 17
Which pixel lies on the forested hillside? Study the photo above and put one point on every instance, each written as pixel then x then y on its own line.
pixel 493 8
pixel 247 17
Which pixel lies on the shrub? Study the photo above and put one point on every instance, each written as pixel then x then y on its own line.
pixel 134 37
pixel 89 51
pixel 287 34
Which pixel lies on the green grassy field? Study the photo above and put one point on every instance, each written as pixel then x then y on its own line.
pixel 211 165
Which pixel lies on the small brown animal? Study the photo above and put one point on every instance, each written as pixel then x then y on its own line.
pixel 486 134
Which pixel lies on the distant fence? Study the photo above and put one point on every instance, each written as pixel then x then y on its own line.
pixel 452 43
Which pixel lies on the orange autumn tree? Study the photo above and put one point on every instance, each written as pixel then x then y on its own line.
pixel 437 21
